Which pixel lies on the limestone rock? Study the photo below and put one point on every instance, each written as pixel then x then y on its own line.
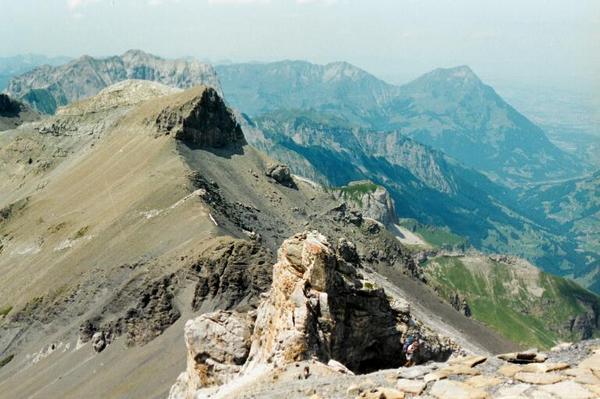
pixel 318 307
pixel 469 361
pixel 538 378
pixel 592 362
pixel 509 370
pixel 415 371
pixel 544 367
pixel 281 174
pixel 523 357
pixel 456 390
pixel 483 381
pixel 217 345
pixel 583 375
pixel 513 391
pixel 382 393
pixel 339 367
pixel 411 386
pixel 374 202
pixel 568 389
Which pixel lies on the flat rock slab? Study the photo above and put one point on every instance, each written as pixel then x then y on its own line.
pixel 592 362
pixel 415 371
pixel 435 376
pixel 446 389
pixel 583 376
pixel 469 361
pixel 513 390
pixel 459 369
pixel 509 370
pixel 411 386
pixel 568 389
pixel 544 367
pixel 483 381
pixel 539 378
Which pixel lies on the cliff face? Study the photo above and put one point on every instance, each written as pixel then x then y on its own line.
pixel 201 121
pixel 13 113
pixel 319 307
pixel 371 200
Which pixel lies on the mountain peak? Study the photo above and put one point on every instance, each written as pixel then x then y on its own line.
pixel 137 54
pixel 462 74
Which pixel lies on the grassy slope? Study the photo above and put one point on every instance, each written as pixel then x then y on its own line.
pixel 437 237
pixel 505 299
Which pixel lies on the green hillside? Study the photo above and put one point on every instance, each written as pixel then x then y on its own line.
pixel 516 299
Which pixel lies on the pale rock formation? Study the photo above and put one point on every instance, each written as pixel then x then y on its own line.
pixel 217 346
pixel 319 307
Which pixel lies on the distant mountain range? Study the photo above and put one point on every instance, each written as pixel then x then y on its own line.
pixel 447 109
pixel 46 88
pixel 19 64
pixel 448 148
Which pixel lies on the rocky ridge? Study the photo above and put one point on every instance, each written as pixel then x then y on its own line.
pixel 46 88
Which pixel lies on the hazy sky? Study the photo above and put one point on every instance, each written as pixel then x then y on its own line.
pixel 517 41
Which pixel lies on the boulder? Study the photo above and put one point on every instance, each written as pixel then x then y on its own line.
pixel 98 341
pixel 217 345
pixel 281 174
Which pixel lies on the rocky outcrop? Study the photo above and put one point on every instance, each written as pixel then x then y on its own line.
pixel 217 346
pixel 8 106
pixel 281 174
pixel 47 88
pixel 202 121
pixel 371 200
pixel 13 113
pixel 319 308
pixel 229 274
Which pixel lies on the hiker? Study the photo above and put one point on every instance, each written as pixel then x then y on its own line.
pixel 410 349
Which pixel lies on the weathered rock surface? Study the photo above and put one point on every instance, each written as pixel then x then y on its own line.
pixel 319 307
pixel 281 174
pixel 371 200
pixel 456 390
pixel 217 345
pixel 202 121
